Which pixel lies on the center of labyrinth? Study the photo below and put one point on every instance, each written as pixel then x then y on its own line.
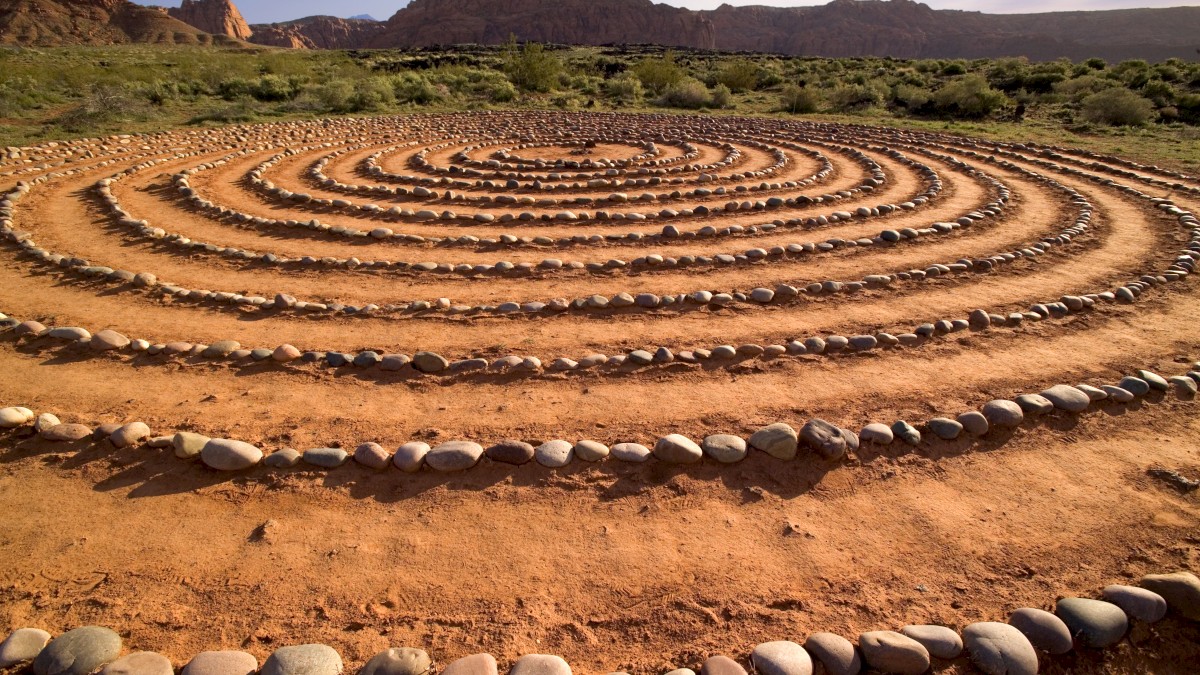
pixel 705 321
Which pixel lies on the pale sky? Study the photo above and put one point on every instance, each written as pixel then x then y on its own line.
pixel 268 11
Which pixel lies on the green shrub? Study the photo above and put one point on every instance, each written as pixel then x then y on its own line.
pixel 799 100
pixel 531 68
pixel 849 97
pixel 738 75
pixel 410 87
pixel 275 88
pixel 1081 87
pixel 687 93
pixel 969 96
pixel 1117 107
pixel 626 89
pixel 722 97
pixel 1189 108
pixel 657 74
pixel 371 94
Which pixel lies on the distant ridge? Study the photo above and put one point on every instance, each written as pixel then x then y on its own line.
pixel 95 22
pixel 842 28
pixel 364 17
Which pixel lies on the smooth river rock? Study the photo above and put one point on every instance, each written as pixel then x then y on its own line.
pixel 309 659
pixel 410 457
pixel 1000 649
pixel 824 437
pixel 221 663
pixel 540 664
pixel 1043 630
pixel 778 440
pixel 454 456
pixel 21 645
pixel 941 642
pixel 1137 603
pixel 140 663
pixel 1093 623
pixel 398 661
pixel 721 665
pixel 510 452
pixel 836 654
pixel 1003 414
pixel 678 449
pixel 724 448
pixel 554 454
pixel 81 651
pixel 1068 398
pixel 1181 590
pixel 476 664
pixel 891 652
pixel 224 454
pixel 781 658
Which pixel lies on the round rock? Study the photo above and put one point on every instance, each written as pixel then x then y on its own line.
pixel 678 449
pixel 630 452
pixel 1181 590
pixel 1093 623
pixel 891 652
pixel 941 642
pixel 540 664
pixel 876 433
pixel 1000 649
pixel 140 663
pixel 224 454
pixel 303 660
pixel 410 456
pixel 838 655
pixel 721 665
pixel 823 437
pixel 81 651
pixel 372 455
pixel 778 440
pixel 591 451
pixel 781 658
pixel 1003 414
pixel 554 454
pixel 326 458
pixel 1066 397
pixel 398 661
pixel 23 644
pixel 221 663
pixel 1043 630
pixel 454 456
pixel 510 452
pixel 476 664
pixel 725 448
pixel 1137 603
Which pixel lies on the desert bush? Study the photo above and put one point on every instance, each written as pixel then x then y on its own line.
pixel 103 104
pixel 372 94
pixel 276 88
pixel 626 89
pixel 722 97
pixel 855 96
pixel 799 100
pixel 531 67
pixel 658 74
pixel 738 75
pixel 410 87
pixel 1080 88
pixel 1188 107
pixel 687 93
pixel 911 98
pixel 1117 107
pixel 969 96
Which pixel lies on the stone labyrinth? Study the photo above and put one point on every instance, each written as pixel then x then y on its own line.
pixel 442 293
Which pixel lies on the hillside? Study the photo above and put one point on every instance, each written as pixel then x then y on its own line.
pixel 94 22
pixel 219 17
pixel 317 32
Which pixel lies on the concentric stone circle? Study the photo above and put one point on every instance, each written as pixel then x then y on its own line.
pixel 772 243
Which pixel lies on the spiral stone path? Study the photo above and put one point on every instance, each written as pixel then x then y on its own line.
pixel 632 389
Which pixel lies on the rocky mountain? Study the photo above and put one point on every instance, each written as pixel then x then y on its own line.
pixel 93 22
pixel 908 29
pixel 900 28
pixel 432 22
pixel 219 17
pixel 317 32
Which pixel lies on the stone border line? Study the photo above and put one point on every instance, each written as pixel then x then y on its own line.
pixel 824 440
pixel 996 648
